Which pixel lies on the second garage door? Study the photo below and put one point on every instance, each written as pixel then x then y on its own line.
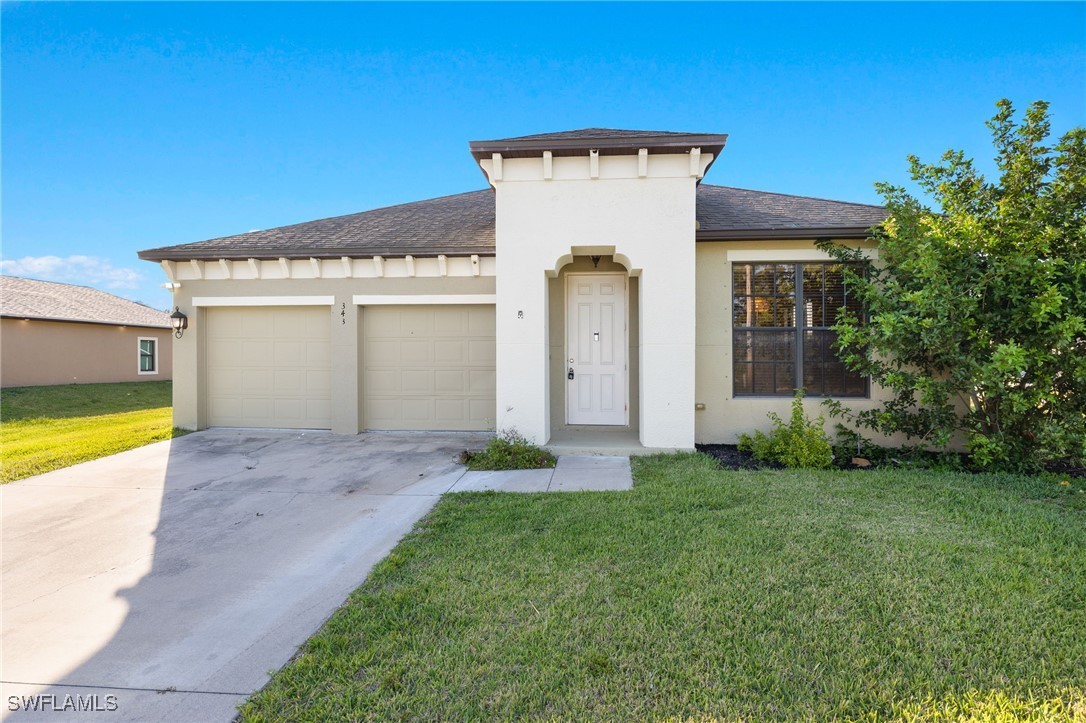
pixel 429 367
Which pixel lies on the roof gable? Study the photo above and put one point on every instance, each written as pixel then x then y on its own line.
pixel 593 134
pixel 33 299
pixel 606 141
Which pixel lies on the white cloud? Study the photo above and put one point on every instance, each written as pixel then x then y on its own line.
pixel 84 270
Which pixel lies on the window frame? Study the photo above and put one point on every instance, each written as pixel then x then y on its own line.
pixel 798 329
pixel 140 355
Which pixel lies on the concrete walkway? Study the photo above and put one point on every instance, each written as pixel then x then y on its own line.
pixel 168 581
pixel 572 474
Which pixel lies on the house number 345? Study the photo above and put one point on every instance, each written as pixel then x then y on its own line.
pixel 343 313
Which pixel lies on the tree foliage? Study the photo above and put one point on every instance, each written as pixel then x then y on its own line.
pixel 976 308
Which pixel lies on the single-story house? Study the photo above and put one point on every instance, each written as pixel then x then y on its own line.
pixel 595 286
pixel 53 333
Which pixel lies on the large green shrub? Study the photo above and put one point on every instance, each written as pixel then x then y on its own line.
pixel 509 450
pixel 976 309
pixel 801 443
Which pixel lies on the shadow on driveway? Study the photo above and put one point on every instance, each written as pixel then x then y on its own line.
pixel 176 576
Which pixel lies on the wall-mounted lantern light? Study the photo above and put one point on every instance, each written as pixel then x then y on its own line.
pixel 179 321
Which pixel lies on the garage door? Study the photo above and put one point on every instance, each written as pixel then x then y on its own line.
pixel 429 367
pixel 268 367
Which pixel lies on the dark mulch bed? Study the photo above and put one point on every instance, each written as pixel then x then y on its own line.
pixel 1068 469
pixel 728 456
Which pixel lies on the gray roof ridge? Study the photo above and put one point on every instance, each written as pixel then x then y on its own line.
pixel 62 283
pixel 79 286
pixel 98 305
pixel 792 195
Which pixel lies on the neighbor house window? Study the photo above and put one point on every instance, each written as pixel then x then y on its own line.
pixel 148 356
pixel 781 314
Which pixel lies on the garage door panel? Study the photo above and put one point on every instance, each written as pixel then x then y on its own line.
pixel 417 410
pixel 257 408
pixel 227 408
pixel 318 384
pixel 258 381
pixel 319 353
pixel 227 326
pixel 482 322
pixel 482 352
pixel 221 352
pixel 417 381
pixel 382 381
pixel 429 367
pixel 254 323
pixel 481 411
pixel 226 381
pixel 290 409
pixel 451 411
pixel 416 351
pixel 289 352
pixel 482 381
pixel 382 411
pixel 289 381
pixel 450 322
pixel 451 380
pixel 381 351
pixel 318 326
pixel 255 353
pixel 290 324
pixel 450 352
pixel 416 322
pixel 268 367
pixel 381 326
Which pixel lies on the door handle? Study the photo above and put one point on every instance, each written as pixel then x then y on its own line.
pixel 570 374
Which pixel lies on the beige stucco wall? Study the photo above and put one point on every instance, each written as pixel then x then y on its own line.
pixel 646 219
pixel 34 352
pixel 556 290
pixel 189 389
pixel 726 417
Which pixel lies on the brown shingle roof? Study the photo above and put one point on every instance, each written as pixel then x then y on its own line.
pixel 733 213
pixel 461 224
pixel 464 224
pixel 33 299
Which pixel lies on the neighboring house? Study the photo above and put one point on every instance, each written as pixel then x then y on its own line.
pixel 54 333
pixel 596 286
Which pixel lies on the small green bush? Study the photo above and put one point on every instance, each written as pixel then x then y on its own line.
pixel 801 443
pixel 509 450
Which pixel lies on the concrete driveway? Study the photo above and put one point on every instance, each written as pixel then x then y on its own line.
pixel 176 576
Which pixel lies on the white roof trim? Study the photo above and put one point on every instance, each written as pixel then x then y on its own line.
pixel 419 299
pixel 263 300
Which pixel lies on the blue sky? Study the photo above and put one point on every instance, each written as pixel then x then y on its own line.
pixel 128 126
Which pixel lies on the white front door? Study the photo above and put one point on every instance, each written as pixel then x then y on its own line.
pixel 596 349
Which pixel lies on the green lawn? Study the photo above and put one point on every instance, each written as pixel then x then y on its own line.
pixel 711 595
pixel 46 428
